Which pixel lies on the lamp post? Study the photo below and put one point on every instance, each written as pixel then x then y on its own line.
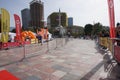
pixel 61 29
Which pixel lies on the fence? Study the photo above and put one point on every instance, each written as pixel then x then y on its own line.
pixel 112 45
pixel 17 54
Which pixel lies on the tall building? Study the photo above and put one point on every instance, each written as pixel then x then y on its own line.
pixel 0 22
pixel 37 14
pixel 70 21
pixel 25 13
pixel 53 19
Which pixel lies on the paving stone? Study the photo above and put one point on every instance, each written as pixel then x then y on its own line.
pixel 13 69
pixel 32 78
pixel 60 60
pixel 57 67
pixel 70 77
pixel 77 72
pixel 61 68
pixel 59 74
pixel 46 69
pixel 52 77
pixel 2 69
pixel 65 69
pixel 76 60
pixel 22 66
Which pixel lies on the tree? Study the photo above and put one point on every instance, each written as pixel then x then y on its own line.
pixel 88 29
pixel 97 28
pixel 76 31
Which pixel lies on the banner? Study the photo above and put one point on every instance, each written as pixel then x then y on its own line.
pixel 117 53
pixel 111 18
pixel 5 25
pixel 18 28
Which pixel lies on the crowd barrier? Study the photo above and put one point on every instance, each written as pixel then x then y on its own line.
pixel 106 42
pixel 10 56
pixel 17 54
pixel 112 46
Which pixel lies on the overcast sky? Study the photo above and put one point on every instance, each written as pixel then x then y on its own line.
pixel 82 11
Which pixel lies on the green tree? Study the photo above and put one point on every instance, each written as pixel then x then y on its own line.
pixel 76 31
pixel 97 28
pixel 88 29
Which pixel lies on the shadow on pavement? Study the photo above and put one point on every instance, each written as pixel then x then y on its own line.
pixel 112 69
pixel 92 72
pixel 98 66
pixel 110 66
pixel 113 73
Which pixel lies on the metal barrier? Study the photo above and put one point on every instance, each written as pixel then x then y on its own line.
pixel 10 56
pixel 110 45
pixel 106 42
pixel 113 45
pixel 57 43
pixel 18 54
pixel 103 41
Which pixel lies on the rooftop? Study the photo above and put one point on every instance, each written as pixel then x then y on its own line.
pixel 36 1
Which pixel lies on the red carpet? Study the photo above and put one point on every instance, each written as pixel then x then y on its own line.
pixel 5 75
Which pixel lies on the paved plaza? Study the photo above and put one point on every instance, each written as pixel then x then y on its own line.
pixel 76 59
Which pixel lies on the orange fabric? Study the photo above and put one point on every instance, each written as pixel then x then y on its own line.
pixel 29 34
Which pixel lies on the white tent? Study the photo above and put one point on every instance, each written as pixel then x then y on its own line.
pixel 12 35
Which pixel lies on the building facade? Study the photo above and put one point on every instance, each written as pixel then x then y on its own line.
pixel 70 21
pixel 0 22
pixel 37 14
pixel 53 19
pixel 26 18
